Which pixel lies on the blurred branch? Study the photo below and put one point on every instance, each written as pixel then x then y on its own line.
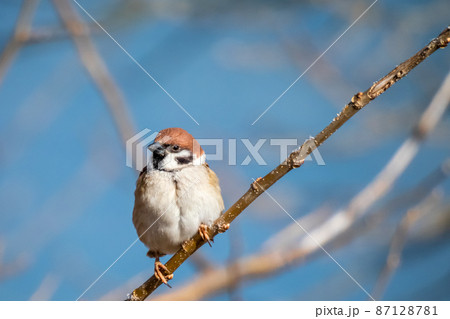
pixel 44 34
pixel 14 267
pixel 289 235
pixel 96 67
pixel 118 292
pixel 398 243
pixel 20 36
pixel 411 197
pixel 236 251
pixel 294 160
pixel 201 262
pixel 53 33
pixel 219 279
pixel 47 288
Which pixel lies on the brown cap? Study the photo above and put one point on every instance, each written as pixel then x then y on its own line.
pixel 178 136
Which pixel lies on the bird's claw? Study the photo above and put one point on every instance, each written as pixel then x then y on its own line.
pixel 203 231
pixel 159 269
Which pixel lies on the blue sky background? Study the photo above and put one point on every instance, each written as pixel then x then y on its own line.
pixel 66 195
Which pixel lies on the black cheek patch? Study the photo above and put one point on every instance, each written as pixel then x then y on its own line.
pixel 184 160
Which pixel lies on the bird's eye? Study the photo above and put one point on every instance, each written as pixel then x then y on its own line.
pixel 176 147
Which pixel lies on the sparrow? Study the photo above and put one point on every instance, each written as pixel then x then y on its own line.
pixel 177 195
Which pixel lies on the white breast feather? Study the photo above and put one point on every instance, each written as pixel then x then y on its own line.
pixel 170 206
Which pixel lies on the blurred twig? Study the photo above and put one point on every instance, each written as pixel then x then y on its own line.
pixel 96 67
pixel 398 243
pixel 44 34
pixel 20 36
pixel 53 33
pixel 118 292
pixel 296 159
pixel 411 197
pixel 201 262
pixel 47 288
pixel 236 250
pixel 289 236
pixel 9 269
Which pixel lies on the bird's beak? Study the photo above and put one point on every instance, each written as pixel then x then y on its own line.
pixel 157 149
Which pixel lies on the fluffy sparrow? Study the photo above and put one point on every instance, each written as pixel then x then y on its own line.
pixel 177 195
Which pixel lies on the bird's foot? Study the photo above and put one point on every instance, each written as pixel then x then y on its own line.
pixel 160 269
pixel 203 231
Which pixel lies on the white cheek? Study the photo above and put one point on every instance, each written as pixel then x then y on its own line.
pixel 170 163
pixel 184 153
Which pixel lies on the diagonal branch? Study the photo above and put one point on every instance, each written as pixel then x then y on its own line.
pixel 296 158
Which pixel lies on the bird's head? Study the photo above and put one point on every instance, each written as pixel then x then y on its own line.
pixel 174 149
